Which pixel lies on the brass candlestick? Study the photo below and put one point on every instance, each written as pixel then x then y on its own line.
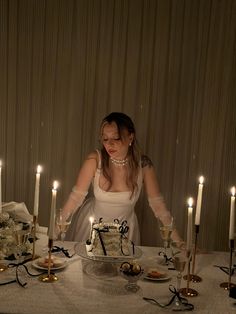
pixel 49 277
pixel 3 267
pixel 192 276
pixel 188 292
pixel 228 285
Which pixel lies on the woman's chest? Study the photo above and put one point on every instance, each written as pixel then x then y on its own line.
pixel 119 182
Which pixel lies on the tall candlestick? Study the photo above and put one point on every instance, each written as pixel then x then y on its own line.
pixel 53 211
pixel 232 214
pixel 199 201
pixel 228 285
pixel 0 186
pixel 36 192
pixel 190 222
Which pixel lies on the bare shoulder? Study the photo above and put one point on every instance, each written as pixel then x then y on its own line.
pixel 87 172
pixel 146 161
pixel 92 155
pixel 92 159
pixel 149 176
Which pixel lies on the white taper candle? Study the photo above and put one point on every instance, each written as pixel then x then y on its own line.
pixel 91 219
pixel 199 201
pixel 36 192
pixel 190 222
pixel 53 211
pixel 232 214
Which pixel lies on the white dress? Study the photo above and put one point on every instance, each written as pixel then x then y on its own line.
pixel 108 206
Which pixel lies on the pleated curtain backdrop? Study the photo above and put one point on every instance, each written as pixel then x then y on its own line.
pixel 169 64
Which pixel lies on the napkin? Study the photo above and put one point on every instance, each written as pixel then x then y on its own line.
pixel 18 211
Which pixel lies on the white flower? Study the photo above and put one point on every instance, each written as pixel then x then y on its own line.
pixel 9 243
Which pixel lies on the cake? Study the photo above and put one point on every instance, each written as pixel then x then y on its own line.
pixel 109 239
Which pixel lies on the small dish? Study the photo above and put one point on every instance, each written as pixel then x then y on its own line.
pixel 156 275
pixel 132 272
pixel 59 264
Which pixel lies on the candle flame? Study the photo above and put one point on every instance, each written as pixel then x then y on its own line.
pixel 233 191
pixel 0 163
pixel 39 169
pixel 55 185
pixel 91 219
pixel 190 202
pixel 201 179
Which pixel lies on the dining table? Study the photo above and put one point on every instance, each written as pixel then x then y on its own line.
pixel 85 285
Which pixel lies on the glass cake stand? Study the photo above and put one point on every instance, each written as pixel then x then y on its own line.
pixel 103 266
pixel 80 249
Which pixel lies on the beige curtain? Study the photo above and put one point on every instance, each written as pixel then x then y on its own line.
pixel 169 64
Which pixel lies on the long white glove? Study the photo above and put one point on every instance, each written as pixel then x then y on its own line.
pixel 160 211
pixel 74 201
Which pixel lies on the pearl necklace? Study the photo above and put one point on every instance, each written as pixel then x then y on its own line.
pixel 119 162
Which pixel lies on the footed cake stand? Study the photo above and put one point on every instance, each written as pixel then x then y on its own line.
pixel 102 266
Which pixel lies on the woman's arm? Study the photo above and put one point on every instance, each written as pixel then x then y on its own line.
pixel 155 199
pixel 83 182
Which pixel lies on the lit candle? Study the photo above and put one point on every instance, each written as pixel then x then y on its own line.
pixel 0 186
pixel 232 214
pixel 91 219
pixel 199 201
pixel 36 192
pixel 190 221
pixel 53 211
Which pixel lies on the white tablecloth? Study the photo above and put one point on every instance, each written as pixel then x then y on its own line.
pixel 84 287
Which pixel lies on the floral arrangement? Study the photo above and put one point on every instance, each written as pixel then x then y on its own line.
pixel 14 237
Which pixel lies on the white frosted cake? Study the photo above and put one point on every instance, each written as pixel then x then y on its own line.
pixel 109 239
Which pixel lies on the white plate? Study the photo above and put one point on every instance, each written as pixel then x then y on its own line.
pixel 36 265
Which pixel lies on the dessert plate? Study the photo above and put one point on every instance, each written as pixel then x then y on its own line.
pixel 59 264
pixel 156 275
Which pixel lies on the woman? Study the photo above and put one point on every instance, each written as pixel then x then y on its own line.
pixel 117 173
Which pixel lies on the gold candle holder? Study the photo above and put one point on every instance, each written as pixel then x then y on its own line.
pixel 188 292
pixel 228 285
pixel 49 277
pixel 3 267
pixel 192 276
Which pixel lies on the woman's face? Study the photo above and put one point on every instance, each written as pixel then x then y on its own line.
pixel 115 146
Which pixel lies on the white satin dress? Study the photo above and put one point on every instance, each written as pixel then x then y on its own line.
pixel 108 206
